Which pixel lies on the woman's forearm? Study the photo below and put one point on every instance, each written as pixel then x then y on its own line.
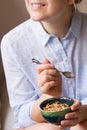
pixel 36 115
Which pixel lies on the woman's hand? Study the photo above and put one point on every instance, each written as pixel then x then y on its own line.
pixel 77 115
pixel 49 79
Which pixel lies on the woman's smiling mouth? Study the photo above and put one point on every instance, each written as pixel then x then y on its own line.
pixel 37 5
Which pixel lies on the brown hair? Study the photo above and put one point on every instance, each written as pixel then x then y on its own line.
pixel 77 1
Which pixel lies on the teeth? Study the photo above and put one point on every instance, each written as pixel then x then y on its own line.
pixel 36 5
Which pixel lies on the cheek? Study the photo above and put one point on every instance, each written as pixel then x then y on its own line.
pixel 26 2
pixel 27 5
pixel 57 5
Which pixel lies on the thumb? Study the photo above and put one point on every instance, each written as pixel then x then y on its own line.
pixel 46 61
pixel 76 105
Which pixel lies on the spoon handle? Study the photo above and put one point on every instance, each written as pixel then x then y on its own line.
pixel 36 61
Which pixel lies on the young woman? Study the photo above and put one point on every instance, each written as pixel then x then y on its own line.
pixel 55 34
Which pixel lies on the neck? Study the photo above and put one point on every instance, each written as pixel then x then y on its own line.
pixel 59 26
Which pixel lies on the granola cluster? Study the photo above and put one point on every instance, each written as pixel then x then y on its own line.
pixel 56 106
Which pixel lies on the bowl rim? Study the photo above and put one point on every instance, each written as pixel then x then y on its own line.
pixel 56 98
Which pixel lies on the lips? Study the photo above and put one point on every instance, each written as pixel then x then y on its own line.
pixel 37 5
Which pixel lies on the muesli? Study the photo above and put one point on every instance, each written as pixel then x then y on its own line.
pixel 56 106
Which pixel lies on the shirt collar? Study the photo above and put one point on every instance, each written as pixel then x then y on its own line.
pixel 39 32
pixel 76 23
pixel 43 36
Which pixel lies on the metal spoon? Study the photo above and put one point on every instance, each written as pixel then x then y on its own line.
pixel 67 74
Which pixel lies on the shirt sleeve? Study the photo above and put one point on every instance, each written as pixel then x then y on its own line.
pixel 84 101
pixel 20 90
pixel 23 119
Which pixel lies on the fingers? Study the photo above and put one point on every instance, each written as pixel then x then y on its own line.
pixel 69 123
pixel 47 75
pixel 50 71
pixel 72 115
pixel 46 61
pixel 76 105
pixel 72 118
pixel 43 67
pixel 47 86
pixel 48 78
pixel 45 79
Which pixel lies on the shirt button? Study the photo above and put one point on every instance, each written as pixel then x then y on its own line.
pixel 69 82
pixel 66 60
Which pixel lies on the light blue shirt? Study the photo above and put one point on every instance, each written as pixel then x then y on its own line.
pixel 29 40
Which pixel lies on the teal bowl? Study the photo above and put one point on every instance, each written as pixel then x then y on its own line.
pixel 56 117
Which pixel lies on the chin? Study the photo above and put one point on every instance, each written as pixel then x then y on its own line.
pixel 37 17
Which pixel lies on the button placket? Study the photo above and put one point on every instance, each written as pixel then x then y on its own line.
pixel 64 60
